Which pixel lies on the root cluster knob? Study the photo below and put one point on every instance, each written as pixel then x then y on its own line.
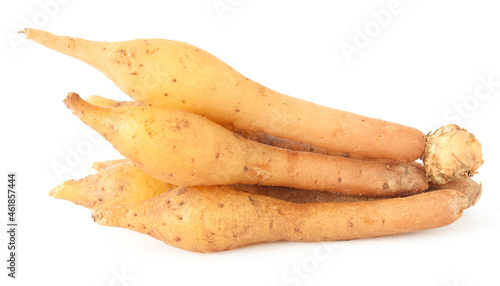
pixel 451 153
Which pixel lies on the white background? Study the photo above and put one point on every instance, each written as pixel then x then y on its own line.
pixel 418 67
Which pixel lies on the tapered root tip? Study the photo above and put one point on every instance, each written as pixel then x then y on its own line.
pixel 71 99
pixel 77 105
pixel 451 153
pixel 54 192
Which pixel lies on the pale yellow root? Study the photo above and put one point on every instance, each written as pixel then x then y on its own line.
pixel 282 193
pixel 117 184
pixel 207 219
pixel 174 74
pixel 470 188
pixel 186 149
pixel 260 137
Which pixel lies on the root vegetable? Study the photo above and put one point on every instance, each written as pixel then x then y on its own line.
pixel 470 188
pixel 451 153
pixel 207 219
pixel 100 189
pixel 178 75
pixel 118 184
pixel 260 137
pixel 186 149
pixel 256 136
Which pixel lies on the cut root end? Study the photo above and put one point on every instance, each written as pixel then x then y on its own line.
pixel 451 153
pixel 54 192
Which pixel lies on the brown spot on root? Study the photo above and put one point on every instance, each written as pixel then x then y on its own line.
pixel 245 168
pixel 122 52
pixel 174 80
pixel 217 156
pixel 133 73
pixel 177 239
pixel 386 186
pixel 251 199
pixel 221 205
pixel 182 62
pixel 165 94
pixel 339 180
pixel 237 110
pixel 297 229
